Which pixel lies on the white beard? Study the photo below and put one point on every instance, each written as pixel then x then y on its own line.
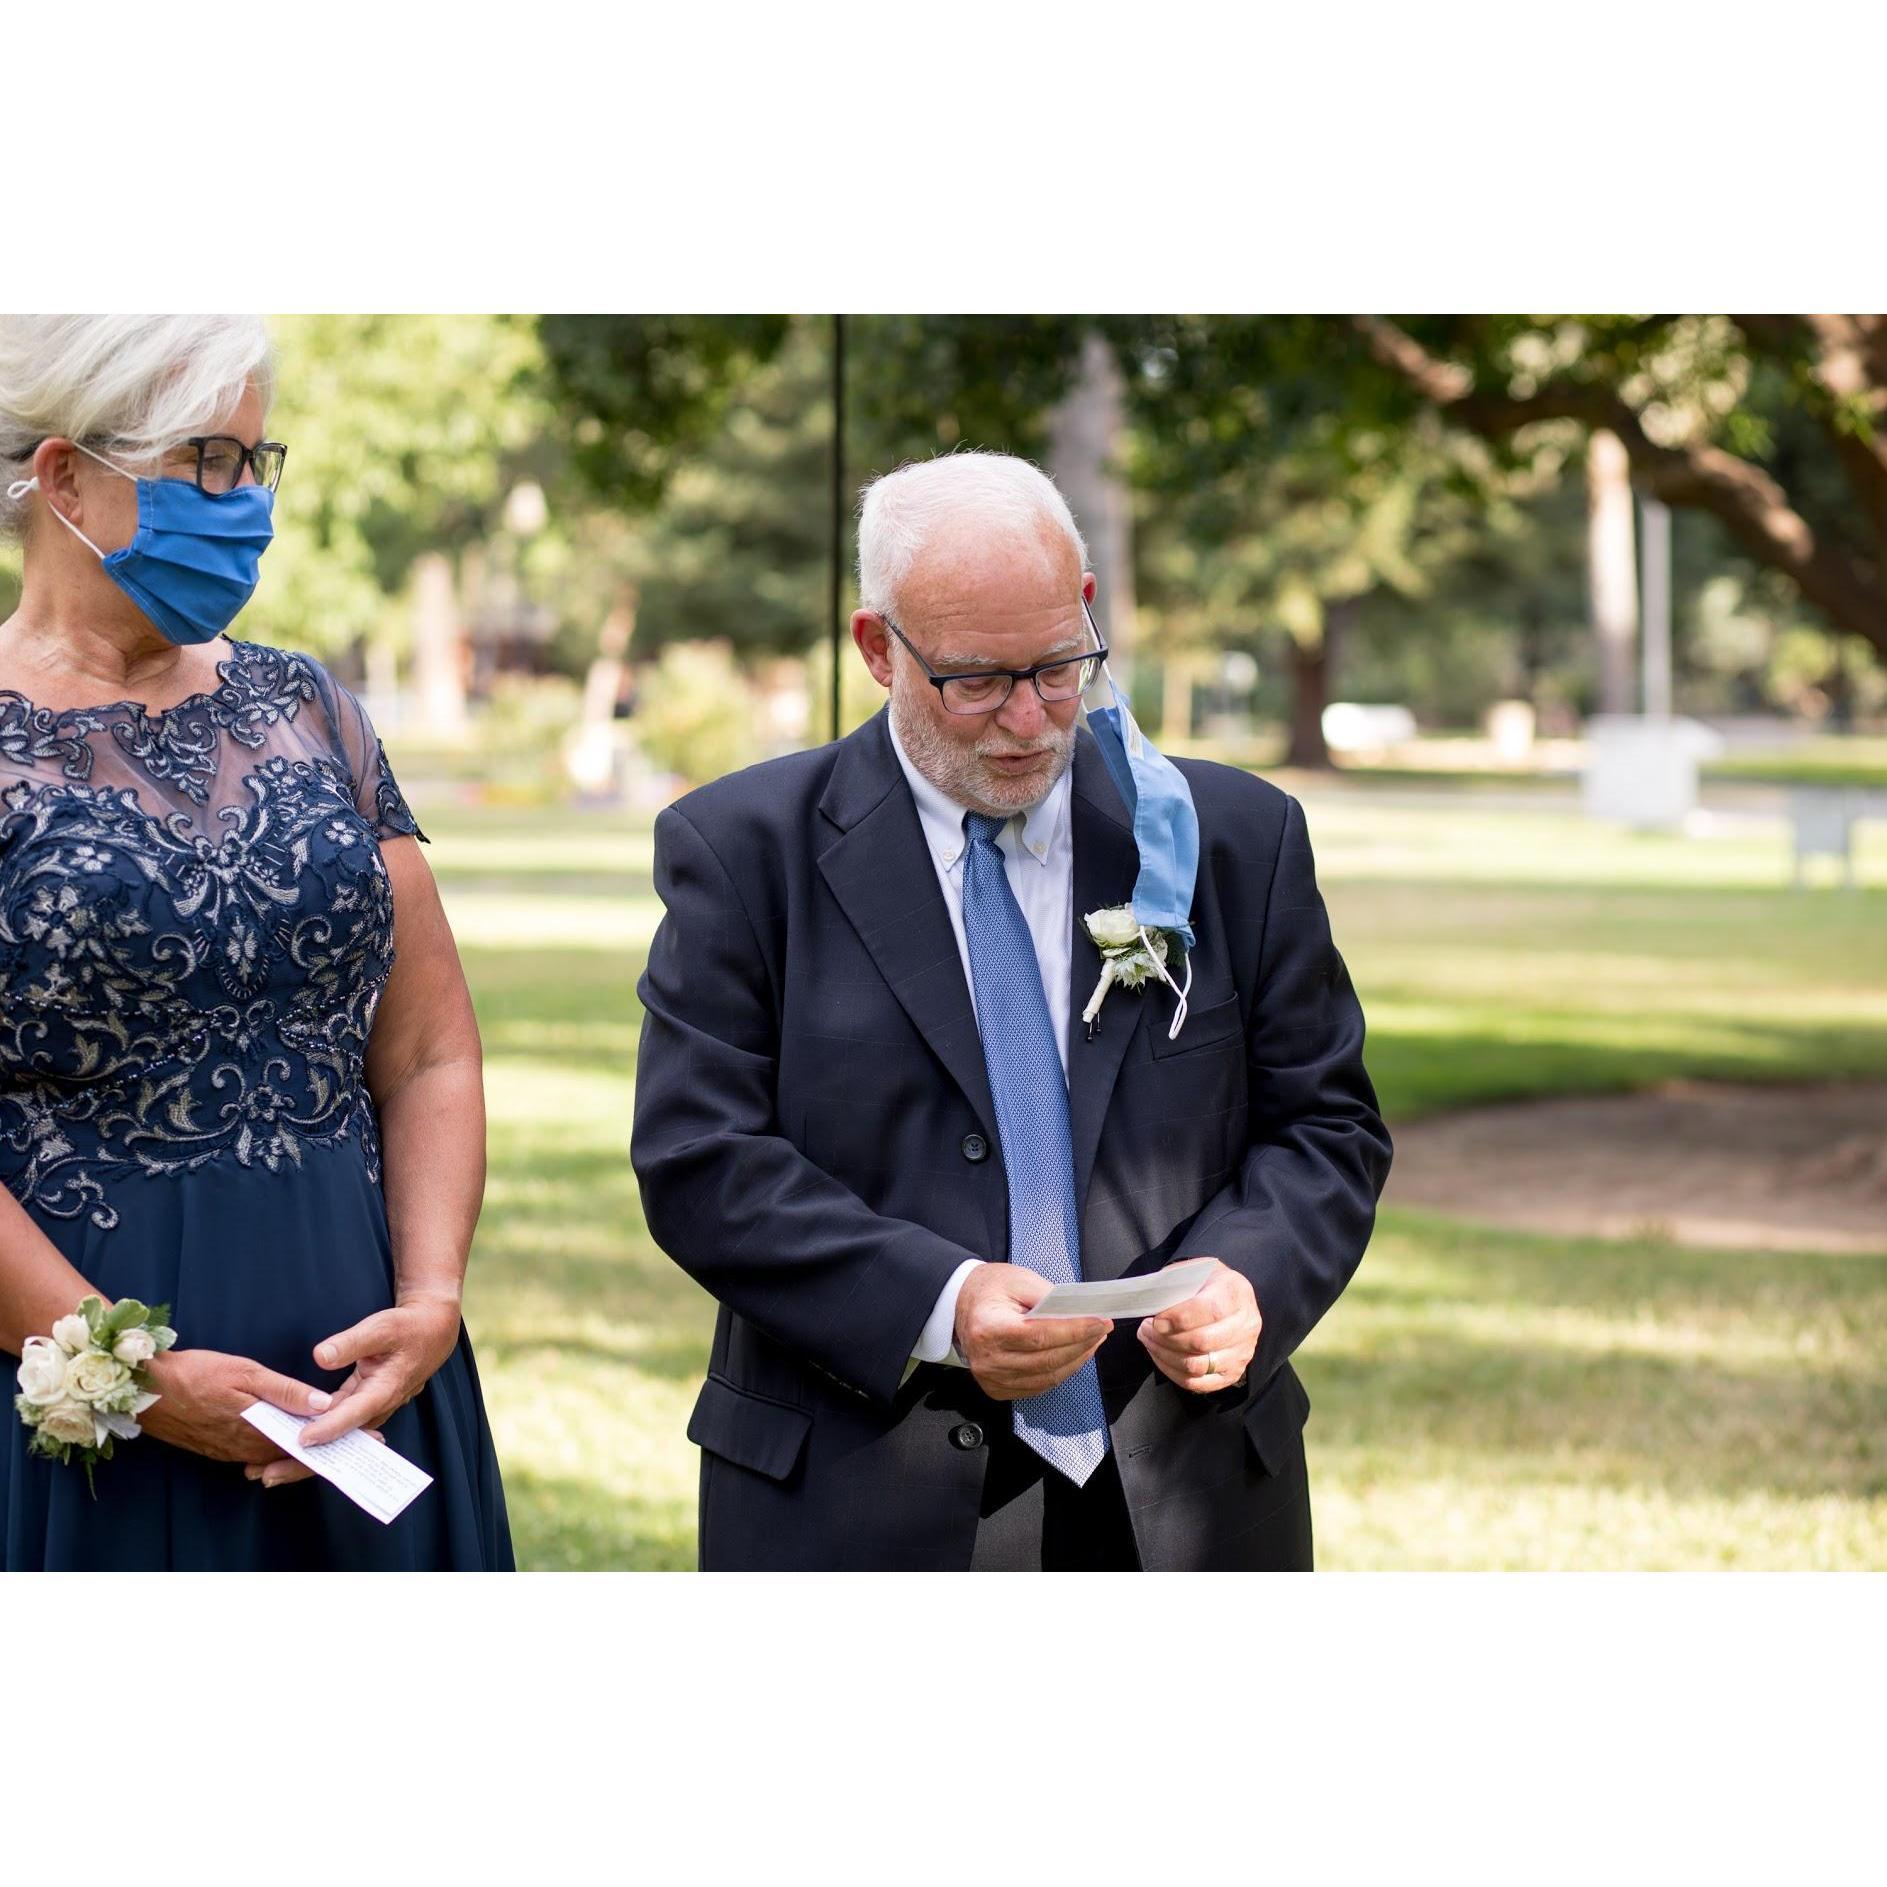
pixel 959 772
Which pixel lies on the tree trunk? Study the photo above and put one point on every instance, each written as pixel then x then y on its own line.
pixel 590 758
pixel 1310 694
pixel 1612 571
pixel 1313 665
pixel 438 646
pixel 1083 458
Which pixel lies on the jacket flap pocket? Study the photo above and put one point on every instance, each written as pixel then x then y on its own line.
pixel 752 1431
pixel 1204 1028
pixel 1276 1419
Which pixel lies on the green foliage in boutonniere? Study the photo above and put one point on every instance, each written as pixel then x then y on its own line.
pixel 1131 955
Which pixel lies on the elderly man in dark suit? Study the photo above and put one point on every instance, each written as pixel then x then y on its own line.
pixel 870 1121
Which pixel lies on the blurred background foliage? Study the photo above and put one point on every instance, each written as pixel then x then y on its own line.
pixel 578 563
pixel 1378 511
pixel 1353 508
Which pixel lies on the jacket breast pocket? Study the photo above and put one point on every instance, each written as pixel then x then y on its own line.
pixel 752 1431
pixel 1219 1027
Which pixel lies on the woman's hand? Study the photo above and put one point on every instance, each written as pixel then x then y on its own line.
pixel 394 1353
pixel 280 1473
pixel 202 1394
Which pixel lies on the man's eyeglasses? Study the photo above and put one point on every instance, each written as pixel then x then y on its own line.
pixel 1063 679
pixel 220 460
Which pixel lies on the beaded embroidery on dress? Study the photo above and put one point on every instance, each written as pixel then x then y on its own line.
pixel 195 928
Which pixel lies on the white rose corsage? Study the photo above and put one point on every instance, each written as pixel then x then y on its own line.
pixel 83 1387
pixel 1133 956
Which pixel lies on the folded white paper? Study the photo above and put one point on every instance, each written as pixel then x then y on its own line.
pixel 1142 1296
pixel 368 1472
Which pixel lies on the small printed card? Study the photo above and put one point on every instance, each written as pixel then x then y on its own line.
pixel 1143 1296
pixel 369 1473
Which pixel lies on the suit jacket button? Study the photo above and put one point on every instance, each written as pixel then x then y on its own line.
pixel 966 1435
pixel 975 1148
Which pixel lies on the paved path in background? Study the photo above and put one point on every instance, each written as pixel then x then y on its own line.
pixel 1790 1168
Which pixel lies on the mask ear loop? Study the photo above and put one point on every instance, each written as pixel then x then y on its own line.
pixel 1179 1014
pixel 21 486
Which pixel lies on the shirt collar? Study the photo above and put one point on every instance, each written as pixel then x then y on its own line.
pixel 942 818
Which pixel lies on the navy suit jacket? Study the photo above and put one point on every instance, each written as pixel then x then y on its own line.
pixel 816 1144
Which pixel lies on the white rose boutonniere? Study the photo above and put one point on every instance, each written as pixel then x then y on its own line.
pixel 1132 956
pixel 83 1388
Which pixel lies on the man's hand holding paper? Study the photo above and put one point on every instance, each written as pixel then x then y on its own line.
pixel 1198 1318
pixel 1010 1351
pixel 1206 1343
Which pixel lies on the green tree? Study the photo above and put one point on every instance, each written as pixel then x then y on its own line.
pixel 737 546
pixel 712 436
pixel 1270 521
pixel 923 384
pixel 1775 425
pixel 636 393
pixel 404 433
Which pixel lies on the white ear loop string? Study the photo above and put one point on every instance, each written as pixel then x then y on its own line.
pixel 21 486
pixel 1179 1014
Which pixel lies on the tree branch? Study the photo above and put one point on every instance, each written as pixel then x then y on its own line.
pixel 1751 505
pixel 1848 360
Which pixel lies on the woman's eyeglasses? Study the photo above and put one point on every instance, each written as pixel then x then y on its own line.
pixel 220 460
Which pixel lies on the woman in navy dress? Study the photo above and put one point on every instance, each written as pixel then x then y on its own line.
pixel 239 1071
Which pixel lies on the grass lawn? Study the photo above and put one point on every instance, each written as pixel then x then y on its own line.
pixel 1482 1398
pixel 1486 1399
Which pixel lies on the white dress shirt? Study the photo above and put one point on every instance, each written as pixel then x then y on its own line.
pixel 1039 856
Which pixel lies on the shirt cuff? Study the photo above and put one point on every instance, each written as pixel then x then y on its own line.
pixel 936 1342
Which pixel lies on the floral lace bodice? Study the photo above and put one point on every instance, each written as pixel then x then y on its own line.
pixel 195 928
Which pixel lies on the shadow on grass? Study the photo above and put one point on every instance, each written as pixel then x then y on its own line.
pixel 560 1525
pixel 1435 1256
pixel 1423 1074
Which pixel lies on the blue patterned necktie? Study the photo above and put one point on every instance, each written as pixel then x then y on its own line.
pixel 1066 1426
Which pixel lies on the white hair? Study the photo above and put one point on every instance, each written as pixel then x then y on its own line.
pixel 139 383
pixel 899 514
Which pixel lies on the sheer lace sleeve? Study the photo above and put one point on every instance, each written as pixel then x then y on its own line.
pixel 377 793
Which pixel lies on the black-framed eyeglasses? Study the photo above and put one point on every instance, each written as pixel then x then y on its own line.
pixel 220 460
pixel 1065 679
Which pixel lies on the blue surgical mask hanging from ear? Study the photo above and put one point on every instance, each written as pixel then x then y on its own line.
pixel 194 560
pixel 1166 825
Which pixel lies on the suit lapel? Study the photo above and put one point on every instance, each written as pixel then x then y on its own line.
pixel 1105 867
pixel 879 869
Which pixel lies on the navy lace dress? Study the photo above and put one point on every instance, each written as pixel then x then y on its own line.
pixel 195 928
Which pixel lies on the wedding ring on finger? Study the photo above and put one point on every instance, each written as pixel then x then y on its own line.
pixel 1212 1363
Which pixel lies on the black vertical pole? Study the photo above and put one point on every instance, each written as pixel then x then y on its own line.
pixel 838 511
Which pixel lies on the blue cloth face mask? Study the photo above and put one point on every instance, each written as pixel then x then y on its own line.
pixel 1166 826
pixel 194 559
